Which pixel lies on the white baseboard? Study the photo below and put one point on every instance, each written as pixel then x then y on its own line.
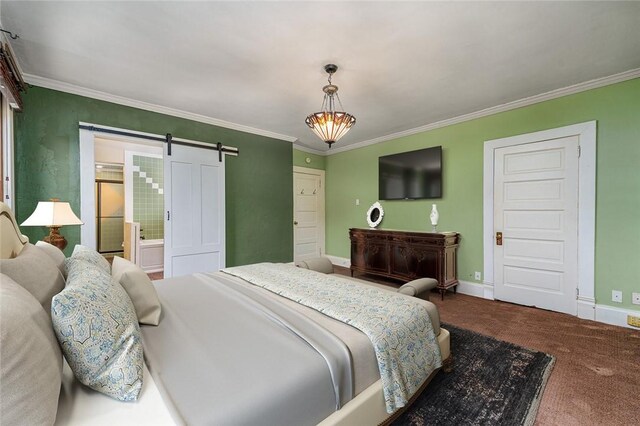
pixel 614 316
pixel 587 308
pixel 470 288
pixel 339 261
pixel 488 291
pixel 481 290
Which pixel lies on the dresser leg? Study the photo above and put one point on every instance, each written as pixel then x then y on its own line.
pixel 442 290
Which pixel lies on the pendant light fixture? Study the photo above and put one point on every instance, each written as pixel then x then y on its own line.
pixel 329 124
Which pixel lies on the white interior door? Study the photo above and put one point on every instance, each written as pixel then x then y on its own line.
pixel 536 210
pixel 308 213
pixel 194 238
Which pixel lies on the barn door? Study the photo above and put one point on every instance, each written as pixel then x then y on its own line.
pixel 194 210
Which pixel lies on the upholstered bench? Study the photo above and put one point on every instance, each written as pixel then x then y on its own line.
pixel 418 288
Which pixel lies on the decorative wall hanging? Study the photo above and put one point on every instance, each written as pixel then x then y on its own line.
pixel 375 214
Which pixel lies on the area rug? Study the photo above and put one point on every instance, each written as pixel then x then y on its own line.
pixel 492 383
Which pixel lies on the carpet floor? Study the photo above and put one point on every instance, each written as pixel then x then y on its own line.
pixel 596 377
pixel 493 383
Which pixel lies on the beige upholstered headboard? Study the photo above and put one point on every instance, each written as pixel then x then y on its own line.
pixel 11 239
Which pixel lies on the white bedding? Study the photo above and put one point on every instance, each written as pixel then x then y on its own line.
pixel 81 406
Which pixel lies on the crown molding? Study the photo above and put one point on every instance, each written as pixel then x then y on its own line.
pixel 558 93
pixel 95 94
pixel 299 147
pixel 120 100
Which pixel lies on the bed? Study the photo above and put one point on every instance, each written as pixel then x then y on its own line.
pixel 228 349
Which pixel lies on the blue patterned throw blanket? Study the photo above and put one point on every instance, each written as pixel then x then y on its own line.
pixel 398 326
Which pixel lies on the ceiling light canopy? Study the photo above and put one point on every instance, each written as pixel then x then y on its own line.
pixel 329 124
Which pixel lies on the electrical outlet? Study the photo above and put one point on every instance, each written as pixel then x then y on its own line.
pixel 635 298
pixel 478 276
pixel 616 296
pixel 633 321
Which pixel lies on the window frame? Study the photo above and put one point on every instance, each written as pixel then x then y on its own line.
pixel 7 167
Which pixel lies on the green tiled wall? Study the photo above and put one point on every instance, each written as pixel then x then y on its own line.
pixel 148 196
pixel 108 175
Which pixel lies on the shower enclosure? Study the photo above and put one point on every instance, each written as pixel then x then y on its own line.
pixel 109 209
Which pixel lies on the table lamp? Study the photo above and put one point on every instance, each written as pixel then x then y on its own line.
pixel 53 214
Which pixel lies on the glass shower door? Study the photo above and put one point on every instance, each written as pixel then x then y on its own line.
pixel 110 220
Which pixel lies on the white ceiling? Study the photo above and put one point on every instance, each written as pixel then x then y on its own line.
pixel 258 64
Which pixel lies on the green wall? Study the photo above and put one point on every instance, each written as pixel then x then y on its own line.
pixel 259 187
pixel 300 160
pixel 617 111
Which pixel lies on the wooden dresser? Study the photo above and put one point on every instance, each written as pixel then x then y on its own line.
pixel 406 255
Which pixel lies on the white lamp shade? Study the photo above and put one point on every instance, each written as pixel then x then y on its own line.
pixel 52 213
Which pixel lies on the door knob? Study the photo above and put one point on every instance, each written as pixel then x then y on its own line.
pixel 295 222
pixel 498 238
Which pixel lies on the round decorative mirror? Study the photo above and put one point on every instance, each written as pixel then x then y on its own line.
pixel 375 214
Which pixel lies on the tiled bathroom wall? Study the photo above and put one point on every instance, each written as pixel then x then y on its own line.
pixel 109 174
pixel 148 196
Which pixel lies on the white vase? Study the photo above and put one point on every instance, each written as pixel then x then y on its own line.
pixel 434 216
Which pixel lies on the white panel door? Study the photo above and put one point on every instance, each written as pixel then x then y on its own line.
pixel 536 210
pixel 194 238
pixel 308 215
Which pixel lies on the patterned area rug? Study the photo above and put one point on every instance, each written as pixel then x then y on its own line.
pixel 493 383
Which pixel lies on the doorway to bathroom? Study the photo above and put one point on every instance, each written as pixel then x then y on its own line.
pixel 129 201
pixel 193 199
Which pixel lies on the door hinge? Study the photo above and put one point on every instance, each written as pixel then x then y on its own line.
pixel 168 215
pixel 579 151
pixel 577 293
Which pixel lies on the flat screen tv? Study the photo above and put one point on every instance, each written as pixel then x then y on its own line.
pixel 411 175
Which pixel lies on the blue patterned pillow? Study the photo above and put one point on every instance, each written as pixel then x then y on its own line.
pixel 81 271
pixel 89 255
pixel 96 325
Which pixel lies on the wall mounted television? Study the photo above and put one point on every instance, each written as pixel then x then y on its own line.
pixel 413 175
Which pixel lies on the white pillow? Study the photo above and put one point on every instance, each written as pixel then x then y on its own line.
pixel 31 367
pixel 55 254
pixel 141 291
pixel 35 271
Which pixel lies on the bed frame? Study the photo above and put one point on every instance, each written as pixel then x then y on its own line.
pixel 11 239
pixel 79 405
